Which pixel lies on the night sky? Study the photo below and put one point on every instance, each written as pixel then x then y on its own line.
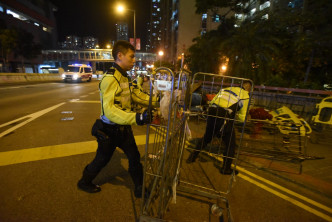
pixel 97 18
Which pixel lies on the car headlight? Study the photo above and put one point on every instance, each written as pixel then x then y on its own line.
pixel 75 76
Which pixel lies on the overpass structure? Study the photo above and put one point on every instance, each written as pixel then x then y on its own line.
pixel 97 58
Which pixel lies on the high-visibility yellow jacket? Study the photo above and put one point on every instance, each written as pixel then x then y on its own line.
pixel 236 99
pixel 116 98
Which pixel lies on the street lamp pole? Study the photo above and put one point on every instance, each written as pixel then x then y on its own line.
pixel 121 8
pixel 134 29
pixel 134 24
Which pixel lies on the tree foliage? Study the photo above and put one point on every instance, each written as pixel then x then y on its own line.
pixel 26 48
pixel 8 43
pixel 18 42
pixel 292 46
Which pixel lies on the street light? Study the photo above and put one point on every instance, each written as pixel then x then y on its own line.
pixel 160 53
pixel 120 8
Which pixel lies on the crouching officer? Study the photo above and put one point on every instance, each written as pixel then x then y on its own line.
pixel 223 108
pixel 114 127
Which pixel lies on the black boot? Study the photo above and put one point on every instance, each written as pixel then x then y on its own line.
pixel 85 183
pixel 226 167
pixel 192 157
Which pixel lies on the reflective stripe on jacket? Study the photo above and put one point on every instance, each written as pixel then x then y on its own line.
pixel 234 96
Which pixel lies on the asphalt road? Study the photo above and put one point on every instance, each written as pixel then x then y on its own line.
pixel 45 143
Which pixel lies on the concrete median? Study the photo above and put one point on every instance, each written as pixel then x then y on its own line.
pixel 28 77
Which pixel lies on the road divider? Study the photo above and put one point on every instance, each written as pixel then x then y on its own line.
pixel 28 77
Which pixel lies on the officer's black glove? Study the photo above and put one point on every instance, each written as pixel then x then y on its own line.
pixel 144 118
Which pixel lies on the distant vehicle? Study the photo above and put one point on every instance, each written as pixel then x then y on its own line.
pixel 77 72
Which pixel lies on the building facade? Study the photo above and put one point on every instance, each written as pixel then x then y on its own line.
pixel 34 17
pixel 76 42
pixel 174 23
pixel 121 31
pixel 155 29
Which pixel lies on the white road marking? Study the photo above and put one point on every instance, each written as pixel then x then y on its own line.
pixel 30 117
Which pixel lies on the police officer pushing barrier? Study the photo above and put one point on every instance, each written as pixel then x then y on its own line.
pixel 113 129
pixel 223 108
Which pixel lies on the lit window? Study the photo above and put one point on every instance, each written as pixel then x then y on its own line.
pixel 204 16
pixel 16 15
pixel 265 5
pixel 1 9
pixel 238 16
pixel 252 11
pixel 216 18
pixel 45 29
pixel 266 16
pixel 291 4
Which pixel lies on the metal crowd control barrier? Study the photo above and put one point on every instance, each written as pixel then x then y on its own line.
pixel 206 177
pixel 166 170
pixel 162 160
pixel 300 104
pixel 281 144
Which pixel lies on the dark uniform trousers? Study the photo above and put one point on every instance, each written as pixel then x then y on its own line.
pixel 122 137
pixel 218 125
